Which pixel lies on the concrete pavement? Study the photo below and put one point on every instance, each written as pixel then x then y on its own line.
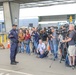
pixel 30 65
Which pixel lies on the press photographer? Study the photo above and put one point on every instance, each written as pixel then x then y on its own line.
pixel 71 43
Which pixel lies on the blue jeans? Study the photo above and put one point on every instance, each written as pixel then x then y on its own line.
pixel 55 46
pixel 51 46
pixel 42 56
pixel 21 48
pixel 28 47
pixel 35 45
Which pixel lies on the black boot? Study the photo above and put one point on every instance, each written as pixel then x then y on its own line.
pixel 16 62
pixel 13 63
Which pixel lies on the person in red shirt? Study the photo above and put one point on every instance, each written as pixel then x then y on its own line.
pixel 27 41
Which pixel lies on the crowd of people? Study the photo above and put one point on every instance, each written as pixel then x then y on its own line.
pixel 35 38
pixel 41 42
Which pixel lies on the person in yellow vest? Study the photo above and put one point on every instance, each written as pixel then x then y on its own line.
pixel 21 39
pixel 2 46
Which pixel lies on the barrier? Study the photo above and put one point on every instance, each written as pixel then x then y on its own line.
pixel 0 39
pixel 3 38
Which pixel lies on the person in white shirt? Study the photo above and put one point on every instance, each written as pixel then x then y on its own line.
pixel 41 49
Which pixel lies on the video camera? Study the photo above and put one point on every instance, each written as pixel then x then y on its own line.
pixel 49 30
pixel 63 30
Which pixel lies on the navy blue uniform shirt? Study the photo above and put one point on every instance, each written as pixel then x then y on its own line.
pixel 13 35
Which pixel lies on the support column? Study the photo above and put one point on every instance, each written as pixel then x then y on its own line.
pixel 11 14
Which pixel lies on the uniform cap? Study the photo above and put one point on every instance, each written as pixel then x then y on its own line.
pixel 14 25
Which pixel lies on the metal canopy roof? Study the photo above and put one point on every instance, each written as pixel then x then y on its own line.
pixel 46 3
pixel 27 1
pixel 39 3
pixel 22 1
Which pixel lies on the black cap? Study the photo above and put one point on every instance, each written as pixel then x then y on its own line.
pixel 14 25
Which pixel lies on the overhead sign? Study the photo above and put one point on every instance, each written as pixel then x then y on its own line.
pixel 71 18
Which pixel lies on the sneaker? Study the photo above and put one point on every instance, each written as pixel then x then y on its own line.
pixel 22 52
pixel 54 59
pixel 73 66
pixel 70 65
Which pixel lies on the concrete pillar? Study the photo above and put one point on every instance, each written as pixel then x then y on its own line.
pixel 11 14
pixel 7 16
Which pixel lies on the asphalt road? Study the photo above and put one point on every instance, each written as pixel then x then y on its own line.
pixel 30 65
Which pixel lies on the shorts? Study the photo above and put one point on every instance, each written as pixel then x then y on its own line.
pixel 72 50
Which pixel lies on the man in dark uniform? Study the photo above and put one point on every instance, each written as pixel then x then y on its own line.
pixel 13 36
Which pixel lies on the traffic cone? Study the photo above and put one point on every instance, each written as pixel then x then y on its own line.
pixel 48 47
pixel 8 45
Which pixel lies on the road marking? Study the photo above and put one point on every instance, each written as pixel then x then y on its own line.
pixel 1 73
pixel 17 72
pixel 8 74
pixel 4 74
